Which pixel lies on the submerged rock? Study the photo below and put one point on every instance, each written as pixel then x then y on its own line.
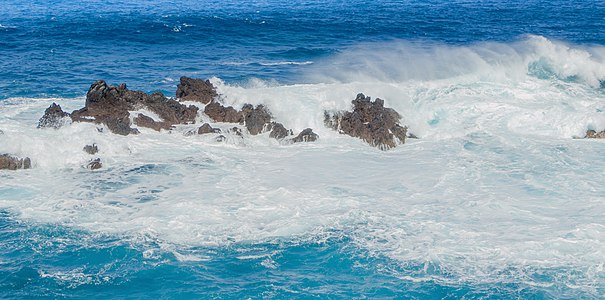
pixel 219 113
pixel 591 134
pixel 206 128
pixel 53 117
pixel 94 164
pixel 191 89
pixel 306 135
pixel 370 121
pixel 91 149
pixel 109 105
pixel 8 162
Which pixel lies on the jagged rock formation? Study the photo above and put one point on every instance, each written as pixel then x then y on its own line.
pixel 91 149
pixel 306 135
pixel 278 131
pixel 219 113
pixel 9 162
pixel 257 119
pixel 591 134
pixel 110 105
pixel 206 128
pixel 192 89
pixel 94 164
pixel 53 117
pixel 369 121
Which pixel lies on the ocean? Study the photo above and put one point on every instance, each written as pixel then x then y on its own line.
pixel 497 198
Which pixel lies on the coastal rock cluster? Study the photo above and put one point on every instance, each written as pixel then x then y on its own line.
pixel 591 134
pixel 370 121
pixel 9 162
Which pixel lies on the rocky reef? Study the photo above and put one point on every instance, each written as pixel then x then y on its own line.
pixel 591 134
pixel 9 162
pixel 192 89
pixel 370 121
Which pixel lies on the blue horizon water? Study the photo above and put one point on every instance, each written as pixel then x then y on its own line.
pixel 69 246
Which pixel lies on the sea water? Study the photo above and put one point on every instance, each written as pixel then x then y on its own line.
pixel 496 199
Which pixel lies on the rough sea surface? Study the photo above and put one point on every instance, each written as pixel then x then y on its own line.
pixel 495 200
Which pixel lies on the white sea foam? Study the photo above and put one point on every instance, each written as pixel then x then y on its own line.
pixel 496 189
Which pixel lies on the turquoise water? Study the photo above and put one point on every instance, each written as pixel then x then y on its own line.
pixel 496 200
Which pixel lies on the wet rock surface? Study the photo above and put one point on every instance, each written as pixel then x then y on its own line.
pixel 91 149
pixel 306 135
pixel 370 121
pixel 591 134
pixel 54 117
pixel 94 164
pixel 192 89
pixel 144 121
pixel 278 131
pixel 9 162
pixel 257 119
pixel 220 113
pixel 206 128
pixel 110 105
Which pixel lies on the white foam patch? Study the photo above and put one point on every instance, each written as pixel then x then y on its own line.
pixel 496 189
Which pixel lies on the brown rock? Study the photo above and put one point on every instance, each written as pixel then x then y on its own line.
pixel 370 121
pixel 192 89
pixel 145 121
pixel 278 131
pixel 219 113
pixel 257 119
pixel 53 117
pixel 8 162
pixel 591 134
pixel 94 164
pixel 206 128
pixel 306 135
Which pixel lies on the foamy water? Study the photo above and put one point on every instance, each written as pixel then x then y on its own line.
pixel 496 190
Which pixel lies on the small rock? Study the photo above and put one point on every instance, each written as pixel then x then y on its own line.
pixel 278 131
pixel 306 135
pixel 591 134
pixel 206 128
pixel 236 131
pixel 53 117
pixel 8 162
pixel 94 164
pixel 191 89
pixel 91 149
pixel 145 121
pixel 221 138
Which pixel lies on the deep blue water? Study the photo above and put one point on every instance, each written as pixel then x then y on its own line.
pixel 58 48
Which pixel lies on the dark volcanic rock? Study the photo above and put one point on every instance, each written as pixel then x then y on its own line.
pixel 53 117
pixel 591 134
pixel 370 121
pixel 94 164
pixel 278 131
pixel 306 135
pixel 110 105
pixel 8 162
pixel 206 128
pixel 236 131
pixel 219 113
pixel 91 149
pixel 192 89
pixel 145 121
pixel 257 119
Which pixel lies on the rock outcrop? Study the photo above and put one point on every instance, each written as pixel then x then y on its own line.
pixel 54 117
pixel 142 120
pixel 306 135
pixel 591 134
pixel 110 105
pixel 369 121
pixel 278 131
pixel 206 128
pixel 219 113
pixel 94 164
pixel 192 89
pixel 257 119
pixel 9 162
